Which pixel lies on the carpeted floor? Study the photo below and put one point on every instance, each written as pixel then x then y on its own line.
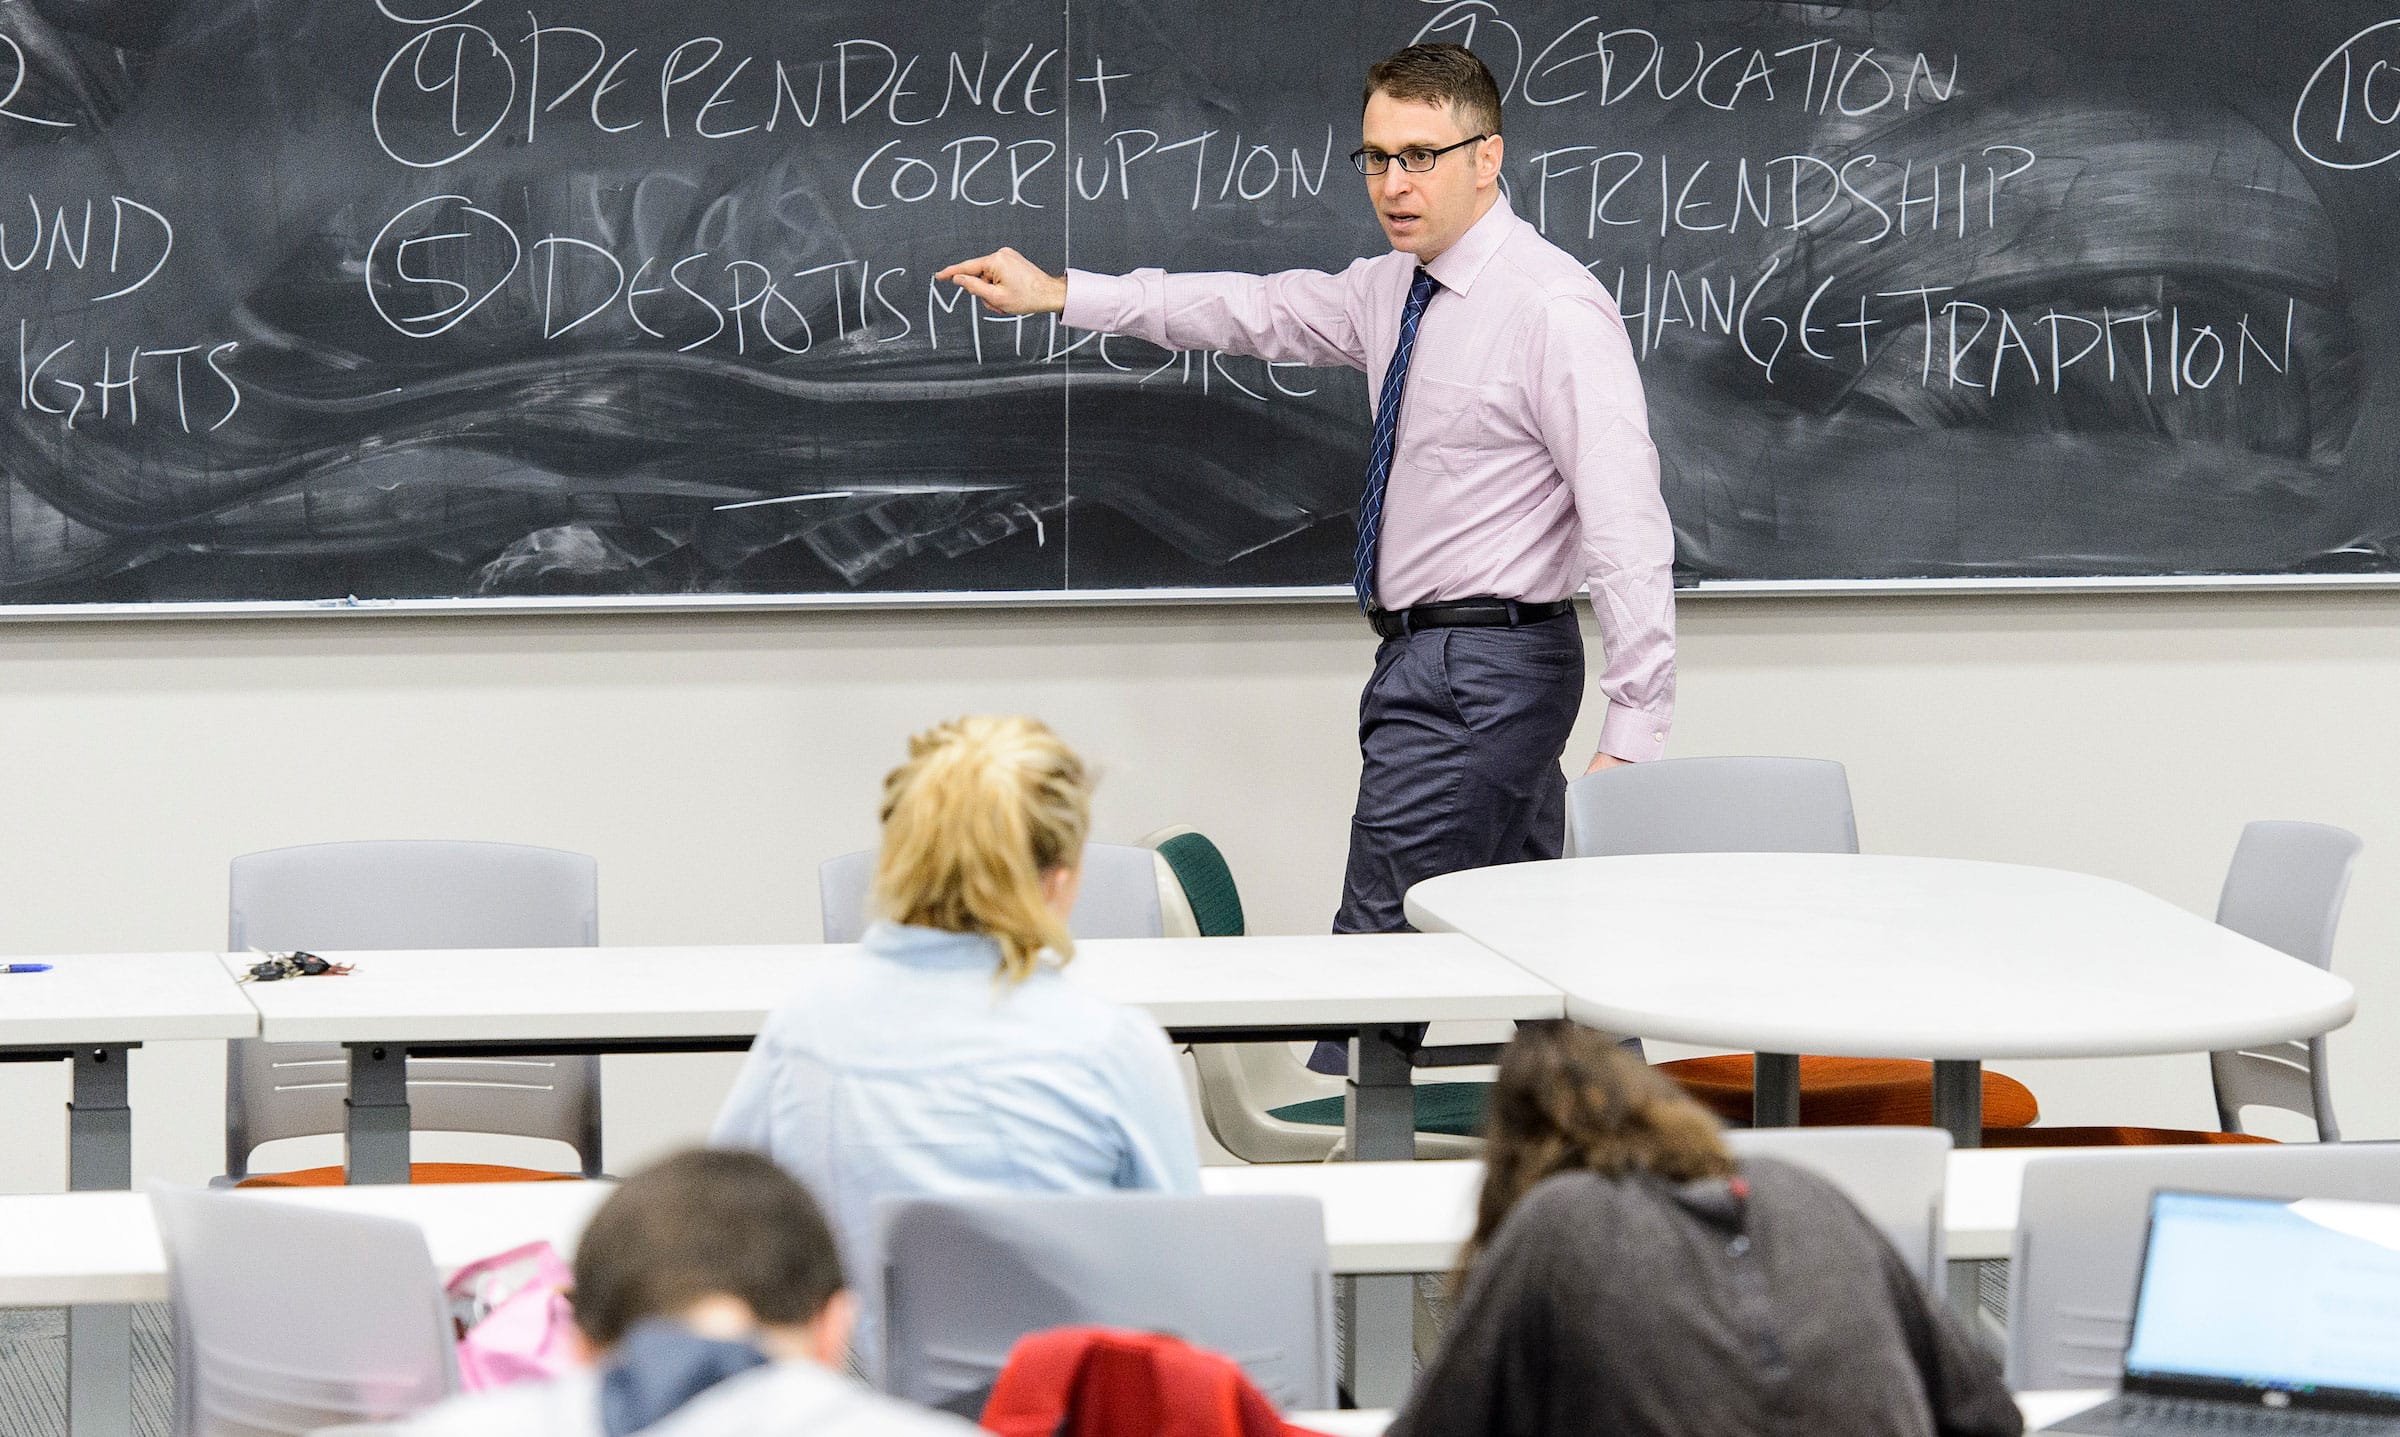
pixel 33 1372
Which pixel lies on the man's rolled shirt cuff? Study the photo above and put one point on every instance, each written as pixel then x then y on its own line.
pixel 1633 735
pixel 1099 301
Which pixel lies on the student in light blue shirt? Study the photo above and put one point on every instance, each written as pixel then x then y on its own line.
pixel 948 1052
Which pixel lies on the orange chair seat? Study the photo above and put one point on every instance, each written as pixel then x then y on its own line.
pixel 332 1177
pixel 1849 1092
pixel 2111 1137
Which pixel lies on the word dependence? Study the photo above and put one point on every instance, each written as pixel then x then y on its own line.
pixel 452 87
pixel 1951 341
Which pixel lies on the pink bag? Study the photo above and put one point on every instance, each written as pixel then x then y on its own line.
pixel 514 1319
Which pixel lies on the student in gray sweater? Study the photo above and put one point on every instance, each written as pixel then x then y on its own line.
pixel 710 1292
pixel 1628 1276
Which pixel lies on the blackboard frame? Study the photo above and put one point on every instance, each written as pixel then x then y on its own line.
pixel 2317 541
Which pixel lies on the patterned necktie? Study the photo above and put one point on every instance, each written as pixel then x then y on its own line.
pixel 1387 427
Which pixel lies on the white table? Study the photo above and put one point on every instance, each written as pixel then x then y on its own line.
pixel 1371 990
pixel 2038 1409
pixel 90 1010
pixel 1880 957
pixel 1405 1217
pixel 1367 987
pixel 66 1249
pixel 1384 1220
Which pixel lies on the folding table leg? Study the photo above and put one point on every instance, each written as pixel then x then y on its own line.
pixel 1381 1115
pixel 1381 1127
pixel 1774 1090
pixel 99 1158
pixel 1958 1100
pixel 376 1133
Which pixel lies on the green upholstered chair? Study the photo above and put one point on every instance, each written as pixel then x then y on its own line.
pixel 1260 1101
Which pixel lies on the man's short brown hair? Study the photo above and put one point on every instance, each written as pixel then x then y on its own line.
pixel 1441 74
pixel 700 1224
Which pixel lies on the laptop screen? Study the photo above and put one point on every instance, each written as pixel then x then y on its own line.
pixel 2260 1293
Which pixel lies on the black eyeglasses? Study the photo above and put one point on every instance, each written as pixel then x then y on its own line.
pixel 1416 159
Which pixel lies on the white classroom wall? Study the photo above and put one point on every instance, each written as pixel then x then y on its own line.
pixel 711 760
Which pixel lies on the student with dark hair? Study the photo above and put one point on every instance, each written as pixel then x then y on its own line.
pixel 711 1295
pixel 1627 1275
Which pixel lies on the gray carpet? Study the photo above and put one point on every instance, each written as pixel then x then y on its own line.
pixel 33 1371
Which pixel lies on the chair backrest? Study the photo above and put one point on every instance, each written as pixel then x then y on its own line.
pixel 965 1277
pixel 1712 805
pixel 2285 888
pixel 290 1318
pixel 2080 1220
pixel 1119 897
pixel 1895 1176
pixel 412 894
pixel 1205 879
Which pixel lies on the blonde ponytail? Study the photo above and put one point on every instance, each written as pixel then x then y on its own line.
pixel 982 809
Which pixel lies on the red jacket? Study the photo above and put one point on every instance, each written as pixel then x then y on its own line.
pixel 1104 1382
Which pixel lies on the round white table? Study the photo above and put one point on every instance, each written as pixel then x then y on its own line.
pixel 1871 956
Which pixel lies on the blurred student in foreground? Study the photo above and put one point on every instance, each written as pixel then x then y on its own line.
pixel 1628 1276
pixel 710 1293
pixel 948 1053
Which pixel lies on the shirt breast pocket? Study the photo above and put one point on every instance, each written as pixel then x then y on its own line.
pixel 1445 426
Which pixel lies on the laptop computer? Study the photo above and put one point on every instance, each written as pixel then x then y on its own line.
pixel 2260 1315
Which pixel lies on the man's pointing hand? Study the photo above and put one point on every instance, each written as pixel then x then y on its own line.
pixel 1009 283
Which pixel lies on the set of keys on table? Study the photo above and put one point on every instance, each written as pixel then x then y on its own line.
pixel 295 964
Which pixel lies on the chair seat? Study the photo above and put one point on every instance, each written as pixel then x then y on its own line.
pixel 333 1177
pixel 1455 1109
pixel 2104 1136
pixel 1849 1092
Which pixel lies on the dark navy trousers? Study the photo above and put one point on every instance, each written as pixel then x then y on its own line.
pixel 1461 731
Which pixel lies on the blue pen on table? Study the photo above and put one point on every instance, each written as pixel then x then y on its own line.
pixel 24 967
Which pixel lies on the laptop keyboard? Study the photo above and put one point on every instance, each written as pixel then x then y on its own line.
pixel 2140 1416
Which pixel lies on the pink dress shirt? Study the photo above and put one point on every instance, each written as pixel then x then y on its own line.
pixel 1524 467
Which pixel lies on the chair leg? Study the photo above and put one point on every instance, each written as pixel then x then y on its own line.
pixel 1958 1100
pixel 1775 1090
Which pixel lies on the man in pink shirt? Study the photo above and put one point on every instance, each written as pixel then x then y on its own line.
pixel 1511 464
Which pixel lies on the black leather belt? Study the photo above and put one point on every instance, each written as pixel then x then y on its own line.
pixel 1464 613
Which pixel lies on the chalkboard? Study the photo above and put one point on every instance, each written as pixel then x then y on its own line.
pixel 321 300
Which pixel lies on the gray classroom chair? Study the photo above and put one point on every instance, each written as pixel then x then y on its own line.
pixel 1712 805
pixel 411 894
pixel 965 1277
pixel 2080 1222
pixel 1895 1176
pixel 291 1318
pixel 1119 897
pixel 2285 888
